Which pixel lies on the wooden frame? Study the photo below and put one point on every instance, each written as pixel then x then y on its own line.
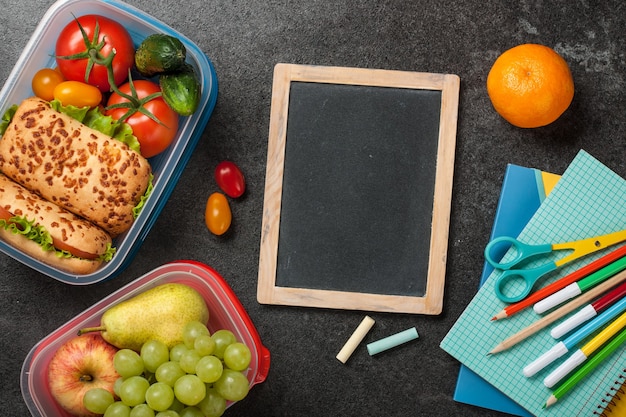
pixel 432 301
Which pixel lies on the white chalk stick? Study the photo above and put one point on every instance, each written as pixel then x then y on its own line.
pixel 355 339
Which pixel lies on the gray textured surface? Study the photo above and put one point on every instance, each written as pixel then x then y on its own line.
pixel 244 39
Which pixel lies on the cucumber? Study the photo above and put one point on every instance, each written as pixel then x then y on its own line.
pixel 181 90
pixel 160 53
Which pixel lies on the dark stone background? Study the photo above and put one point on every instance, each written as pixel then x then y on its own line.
pixel 244 40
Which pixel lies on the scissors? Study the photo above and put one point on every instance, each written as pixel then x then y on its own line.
pixel 524 251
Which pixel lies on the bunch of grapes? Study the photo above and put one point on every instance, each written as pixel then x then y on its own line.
pixel 195 378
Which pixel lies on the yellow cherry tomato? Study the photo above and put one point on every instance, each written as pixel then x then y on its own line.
pixel 217 215
pixel 44 81
pixel 76 93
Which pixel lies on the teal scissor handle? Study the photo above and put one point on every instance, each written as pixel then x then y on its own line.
pixel 529 276
pixel 523 251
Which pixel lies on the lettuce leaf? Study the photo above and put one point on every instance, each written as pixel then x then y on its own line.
pixel 38 234
pixel 137 209
pixel 93 118
pixel 6 118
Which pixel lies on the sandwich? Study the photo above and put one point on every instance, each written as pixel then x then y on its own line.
pixel 74 166
pixel 49 233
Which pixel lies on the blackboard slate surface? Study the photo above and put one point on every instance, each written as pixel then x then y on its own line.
pixel 358 188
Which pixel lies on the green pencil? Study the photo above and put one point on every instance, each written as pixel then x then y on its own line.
pixel 585 369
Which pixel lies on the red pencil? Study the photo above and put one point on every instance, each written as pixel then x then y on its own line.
pixel 561 283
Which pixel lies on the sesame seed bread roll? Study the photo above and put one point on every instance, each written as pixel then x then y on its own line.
pixel 78 168
pixel 68 231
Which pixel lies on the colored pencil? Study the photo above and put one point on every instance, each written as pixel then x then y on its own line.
pixel 582 354
pixel 579 287
pixel 560 312
pixel 586 369
pixel 589 311
pixel 574 339
pixel 561 283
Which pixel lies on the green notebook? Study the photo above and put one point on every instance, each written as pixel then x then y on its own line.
pixel 589 200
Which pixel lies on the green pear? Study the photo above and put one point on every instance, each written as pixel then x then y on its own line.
pixel 159 313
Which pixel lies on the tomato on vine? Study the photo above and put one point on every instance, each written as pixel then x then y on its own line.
pixel 154 123
pixel 88 45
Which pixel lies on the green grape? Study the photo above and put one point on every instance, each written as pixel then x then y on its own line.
pixel 128 363
pixel 169 372
pixel 192 330
pixel 117 409
pixel 142 410
pixel 204 345
pixel 167 413
pixel 209 369
pixel 133 390
pixel 232 385
pixel 191 411
pixel 189 389
pixel 159 396
pixel 222 339
pixel 188 361
pixel 177 351
pixel 237 356
pixel 213 404
pixel 116 386
pixel 154 353
pixel 176 405
pixel 97 400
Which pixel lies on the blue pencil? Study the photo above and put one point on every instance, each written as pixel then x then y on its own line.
pixel 570 342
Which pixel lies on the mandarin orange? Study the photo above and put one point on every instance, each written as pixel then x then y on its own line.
pixel 530 85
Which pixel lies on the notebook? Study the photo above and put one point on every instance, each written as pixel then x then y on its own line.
pixel 614 402
pixel 589 200
pixel 523 191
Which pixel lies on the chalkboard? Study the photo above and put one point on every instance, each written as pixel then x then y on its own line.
pixel 358 188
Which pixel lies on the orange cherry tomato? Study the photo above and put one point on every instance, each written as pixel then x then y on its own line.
pixel 76 93
pixel 44 82
pixel 217 215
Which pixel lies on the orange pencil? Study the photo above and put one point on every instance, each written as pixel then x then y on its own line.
pixel 561 283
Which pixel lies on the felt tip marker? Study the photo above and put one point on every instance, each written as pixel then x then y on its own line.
pixel 580 287
pixel 589 311
pixel 581 355
pixel 585 369
pixel 570 342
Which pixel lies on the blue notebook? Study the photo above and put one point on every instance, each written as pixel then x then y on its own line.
pixel 523 191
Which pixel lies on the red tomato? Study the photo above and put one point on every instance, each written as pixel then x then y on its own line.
pixel 44 81
pixel 217 215
pixel 74 52
pixel 230 179
pixel 76 93
pixel 153 137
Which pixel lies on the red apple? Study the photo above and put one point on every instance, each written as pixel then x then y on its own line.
pixel 81 363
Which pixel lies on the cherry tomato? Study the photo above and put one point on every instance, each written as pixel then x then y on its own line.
pixel 153 137
pixel 44 81
pixel 217 215
pixel 230 179
pixel 74 53
pixel 76 93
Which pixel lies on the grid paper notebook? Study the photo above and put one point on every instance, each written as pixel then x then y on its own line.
pixel 589 200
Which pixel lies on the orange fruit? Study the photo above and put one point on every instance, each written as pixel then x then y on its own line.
pixel 530 85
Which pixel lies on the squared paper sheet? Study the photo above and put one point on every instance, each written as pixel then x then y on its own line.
pixel 589 200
